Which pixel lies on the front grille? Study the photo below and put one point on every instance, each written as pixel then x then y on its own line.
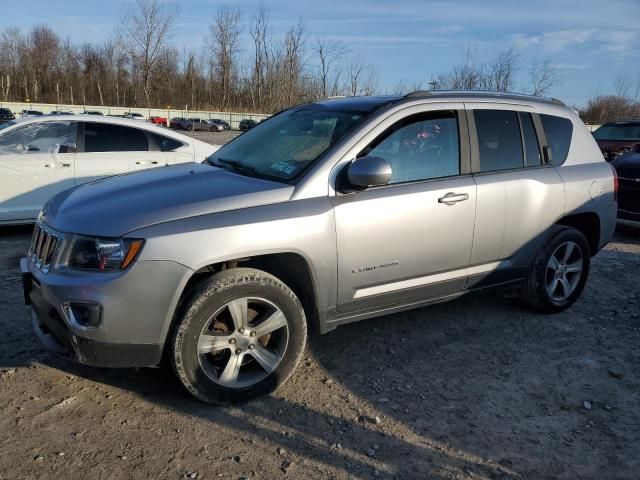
pixel 44 245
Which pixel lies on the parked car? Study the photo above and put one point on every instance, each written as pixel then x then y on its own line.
pixel 176 122
pixel 31 113
pixel 628 168
pixel 324 214
pixel 61 112
pixel 195 124
pixel 162 121
pixel 218 125
pixel 6 115
pixel 247 123
pixel 617 138
pixel 94 112
pixel 42 156
pixel 134 116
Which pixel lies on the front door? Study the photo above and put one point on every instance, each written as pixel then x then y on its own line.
pixel 410 240
pixel 36 162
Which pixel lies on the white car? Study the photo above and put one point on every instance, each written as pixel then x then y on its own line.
pixel 41 156
pixel 134 116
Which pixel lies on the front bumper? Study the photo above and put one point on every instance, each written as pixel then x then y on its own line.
pixel 136 305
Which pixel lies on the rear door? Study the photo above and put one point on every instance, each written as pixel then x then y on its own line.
pixel 109 149
pixel 519 195
pixel 36 162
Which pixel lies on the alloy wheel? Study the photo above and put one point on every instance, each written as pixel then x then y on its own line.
pixel 564 270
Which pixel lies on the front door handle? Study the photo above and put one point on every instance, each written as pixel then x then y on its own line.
pixel 66 164
pixel 452 198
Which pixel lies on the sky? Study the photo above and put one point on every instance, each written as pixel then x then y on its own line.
pixel 589 42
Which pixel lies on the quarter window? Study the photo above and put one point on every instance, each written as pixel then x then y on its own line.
pixel 558 131
pixel 40 137
pixel 105 137
pixel 165 144
pixel 420 147
pixel 499 140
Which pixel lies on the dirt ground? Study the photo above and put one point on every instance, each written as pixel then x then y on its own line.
pixel 474 388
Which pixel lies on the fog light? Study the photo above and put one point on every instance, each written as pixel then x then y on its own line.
pixel 83 314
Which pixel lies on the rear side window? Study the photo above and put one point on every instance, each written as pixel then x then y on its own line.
pixel 499 140
pixel 104 137
pixel 531 149
pixel 165 144
pixel 558 131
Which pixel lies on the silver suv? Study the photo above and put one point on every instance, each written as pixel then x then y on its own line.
pixel 327 213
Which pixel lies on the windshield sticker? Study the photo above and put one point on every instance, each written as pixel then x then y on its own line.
pixel 284 167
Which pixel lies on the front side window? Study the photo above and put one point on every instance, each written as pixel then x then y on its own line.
pixel 558 131
pixel 282 147
pixel 105 137
pixel 420 147
pixel 41 137
pixel 499 140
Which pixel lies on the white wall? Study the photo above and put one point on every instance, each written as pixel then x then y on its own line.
pixel 231 117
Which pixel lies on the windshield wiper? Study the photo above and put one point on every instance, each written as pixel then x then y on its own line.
pixel 235 166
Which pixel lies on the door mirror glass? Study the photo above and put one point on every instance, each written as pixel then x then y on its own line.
pixel 369 172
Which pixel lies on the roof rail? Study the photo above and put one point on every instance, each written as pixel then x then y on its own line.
pixel 470 93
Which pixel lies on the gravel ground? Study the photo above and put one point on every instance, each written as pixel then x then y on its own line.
pixel 217 138
pixel 475 388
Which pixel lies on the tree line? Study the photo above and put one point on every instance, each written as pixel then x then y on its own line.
pixel 241 66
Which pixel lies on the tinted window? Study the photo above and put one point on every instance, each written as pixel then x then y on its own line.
pixel 531 148
pixel 165 144
pixel 499 140
pixel 618 132
pixel 103 137
pixel 41 137
pixel 558 131
pixel 420 147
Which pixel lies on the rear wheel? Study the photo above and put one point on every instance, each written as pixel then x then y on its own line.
pixel 242 335
pixel 559 272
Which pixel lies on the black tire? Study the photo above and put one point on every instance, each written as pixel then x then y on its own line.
pixel 535 292
pixel 211 296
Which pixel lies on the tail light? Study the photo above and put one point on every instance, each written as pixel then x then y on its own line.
pixel 615 182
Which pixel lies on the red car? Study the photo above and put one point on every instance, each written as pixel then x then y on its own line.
pixel 162 121
pixel 616 138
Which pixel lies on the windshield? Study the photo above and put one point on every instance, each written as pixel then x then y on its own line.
pixel 618 132
pixel 283 146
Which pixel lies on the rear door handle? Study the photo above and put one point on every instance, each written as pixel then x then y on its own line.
pixel 452 198
pixel 66 164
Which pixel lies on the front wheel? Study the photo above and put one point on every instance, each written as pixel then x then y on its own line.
pixel 559 271
pixel 241 336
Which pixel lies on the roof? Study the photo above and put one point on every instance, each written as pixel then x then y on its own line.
pixel 373 103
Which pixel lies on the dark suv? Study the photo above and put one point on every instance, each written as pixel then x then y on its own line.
pixel 6 115
pixel 247 124
pixel 616 138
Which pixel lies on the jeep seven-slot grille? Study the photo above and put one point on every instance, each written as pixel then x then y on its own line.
pixel 43 247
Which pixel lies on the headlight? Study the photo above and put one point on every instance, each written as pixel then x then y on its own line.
pixel 103 254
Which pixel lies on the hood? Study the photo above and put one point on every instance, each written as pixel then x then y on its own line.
pixel 116 205
pixel 628 166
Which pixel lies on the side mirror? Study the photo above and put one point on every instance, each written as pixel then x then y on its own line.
pixel 368 172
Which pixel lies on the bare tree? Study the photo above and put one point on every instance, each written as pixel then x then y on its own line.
pixel 224 44
pixel 293 61
pixel 329 53
pixel 542 77
pixel 499 75
pixel 146 28
pixel 258 31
